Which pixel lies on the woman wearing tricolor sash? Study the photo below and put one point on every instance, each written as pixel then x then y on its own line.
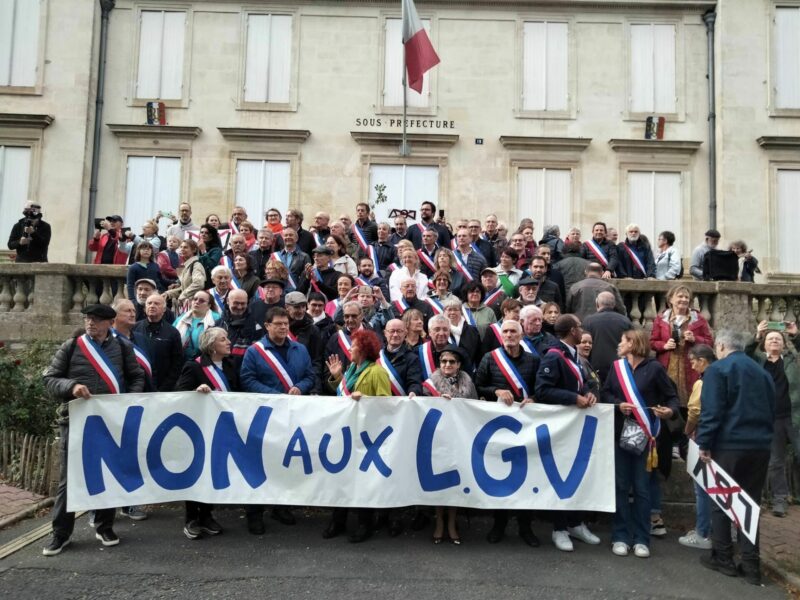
pixel 476 313
pixel 363 377
pixel 645 395
pixel 212 371
pixel 449 381
pixel 244 276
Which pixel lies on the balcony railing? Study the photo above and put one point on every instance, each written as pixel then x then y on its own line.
pixel 43 301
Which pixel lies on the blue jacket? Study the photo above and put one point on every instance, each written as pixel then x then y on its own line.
pixel 257 376
pixel 738 402
pixel 626 266
pixel 556 383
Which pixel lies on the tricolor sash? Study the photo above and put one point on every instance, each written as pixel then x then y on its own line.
pixel 435 304
pixel 291 336
pixel 361 281
pixel 394 377
pixel 493 296
pixel 422 227
pixel 428 385
pixel 342 389
pixel 528 347
pixel 215 375
pixel 467 312
pixel 426 361
pixel 401 306
pixel 511 373
pixel 316 278
pixel 233 227
pixel 372 252
pixel 497 330
pixel 219 299
pixel 318 239
pixel 635 258
pixel 235 283
pixel 633 396
pixel 426 259
pixel 461 265
pixel 575 369
pixel 142 359
pixel 277 255
pixel 453 244
pixel 361 239
pixel 100 363
pixel 344 344
pixel 276 362
pixel 595 249
pixel 226 261
pixel 476 248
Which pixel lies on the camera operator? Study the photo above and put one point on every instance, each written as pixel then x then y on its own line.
pixel 30 236
pixel 106 245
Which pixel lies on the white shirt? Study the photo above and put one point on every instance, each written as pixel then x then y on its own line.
pixel 400 275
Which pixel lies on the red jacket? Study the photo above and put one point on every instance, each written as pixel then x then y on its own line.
pixel 662 333
pixel 120 258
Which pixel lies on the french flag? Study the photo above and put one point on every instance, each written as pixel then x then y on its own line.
pixel 420 55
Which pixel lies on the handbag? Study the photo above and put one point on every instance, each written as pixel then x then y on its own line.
pixel 633 438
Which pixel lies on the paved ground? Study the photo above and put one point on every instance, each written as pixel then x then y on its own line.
pixel 155 560
pixel 780 539
pixel 13 500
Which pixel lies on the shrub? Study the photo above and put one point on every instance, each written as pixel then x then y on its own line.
pixel 24 404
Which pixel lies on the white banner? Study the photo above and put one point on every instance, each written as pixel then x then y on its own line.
pixel 237 448
pixel 729 496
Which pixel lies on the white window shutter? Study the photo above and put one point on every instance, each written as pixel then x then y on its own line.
pixel 250 188
pixel 148 81
pixel 392 176
pixel 167 186
pixel 534 86
pixel 420 184
pixel 393 64
pixel 280 58
pixel 640 202
pixel 26 43
pixel 257 61
pixel 6 40
pixel 788 215
pixel 139 190
pixel 667 206
pixel 664 68
pixel 557 66
pixel 15 166
pixel 641 75
pixel 172 56
pixel 558 198
pixel 530 195
pixel 276 185
pixel 787 57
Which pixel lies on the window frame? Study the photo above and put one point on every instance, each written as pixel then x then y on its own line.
pixel 269 156
pixel 772 75
pixel 624 205
pixel 291 105
pixel 138 9
pixel 432 75
pixel 554 165
pixel 37 89
pixel 773 270
pixel 570 113
pixel 679 115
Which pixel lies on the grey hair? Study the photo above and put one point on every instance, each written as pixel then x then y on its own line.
pixel 605 300
pixel 221 269
pixel 452 301
pixel 552 230
pixel 117 304
pixel 209 337
pixel 352 303
pixel 438 319
pixel 516 324
pixel 733 340
pixel 529 310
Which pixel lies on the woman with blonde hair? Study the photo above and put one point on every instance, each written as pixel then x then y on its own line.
pixel 409 270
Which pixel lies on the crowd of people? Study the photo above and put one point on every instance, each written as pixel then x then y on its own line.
pixel 465 310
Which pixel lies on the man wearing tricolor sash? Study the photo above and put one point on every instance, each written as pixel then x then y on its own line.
pixel 508 375
pixel 468 261
pixel 321 276
pixel 427 211
pixel 560 380
pixel 601 250
pixel 635 256
pixel 409 299
pixel 400 361
pixel 95 362
pixel 123 328
pixel 427 253
pixel 367 275
pixel 293 258
pixel 382 252
pixel 363 226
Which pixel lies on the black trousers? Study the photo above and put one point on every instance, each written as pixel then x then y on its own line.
pixel 63 521
pixel 748 468
pixel 197 511
pixel 366 516
pixel 501 518
pixel 566 518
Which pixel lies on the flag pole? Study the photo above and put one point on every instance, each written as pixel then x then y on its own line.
pixel 405 150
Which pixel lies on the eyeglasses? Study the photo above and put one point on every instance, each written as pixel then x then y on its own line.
pixel 447 361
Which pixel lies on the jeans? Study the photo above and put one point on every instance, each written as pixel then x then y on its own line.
pixel 632 520
pixel 748 468
pixel 63 521
pixel 785 433
pixel 703 511
pixel 655 492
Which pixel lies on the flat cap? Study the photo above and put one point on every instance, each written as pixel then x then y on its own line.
pixel 101 311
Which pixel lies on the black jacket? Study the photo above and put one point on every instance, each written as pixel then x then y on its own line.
pixel 305 241
pixel 489 378
pixel 625 265
pixel 300 259
pixel 421 306
pixel 370 230
pixel 327 286
pixel 36 249
pixel 486 248
pixel 164 349
pixel 608 248
pixel 406 363
pixel 192 376
pixel 414 234
pixel 387 254
pixel 555 381
pixel 470 343
pixel 606 328
pixel 309 336
pixel 242 332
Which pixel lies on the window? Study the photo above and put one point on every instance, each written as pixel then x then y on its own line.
pixel 545 195
pixel 269 58
pixel 161 55
pixel 15 166
pixel 786 87
pixel 393 69
pixel 655 204
pixel 261 185
pixel 407 187
pixel 545 67
pixel 652 64
pixel 19 42
pixel 153 184
pixel 787 217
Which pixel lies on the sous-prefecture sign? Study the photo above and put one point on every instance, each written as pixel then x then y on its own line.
pixel 237 448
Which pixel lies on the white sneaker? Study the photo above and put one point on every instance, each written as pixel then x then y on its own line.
pixel 694 540
pixel 641 551
pixel 582 533
pixel 620 548
pixel 562 541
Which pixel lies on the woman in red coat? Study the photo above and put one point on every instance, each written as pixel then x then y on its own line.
pixel 675 331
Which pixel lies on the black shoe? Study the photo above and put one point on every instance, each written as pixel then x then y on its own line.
pixel 107 537
pixel 362 534
pixel 332 530
pixel 751 574
pixel 283 515
pixel 527 536
pixel 209 526
pixel 255 525
pixel 709 561
pixel 55 545
pixel 420 521
pixel 396 527
pixel 495 535
pixel 192 530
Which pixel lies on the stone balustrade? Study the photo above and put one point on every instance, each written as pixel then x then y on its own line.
pixel 61 290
